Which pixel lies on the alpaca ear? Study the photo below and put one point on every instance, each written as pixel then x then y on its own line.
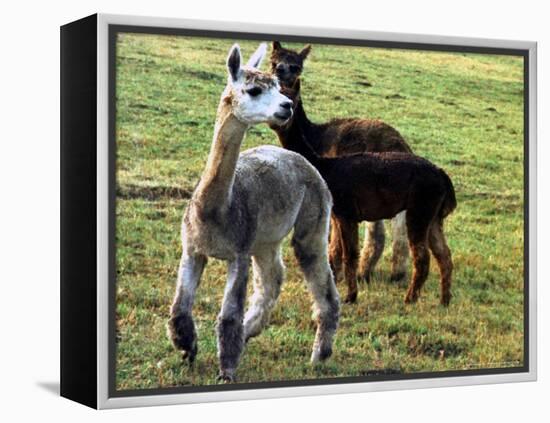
pixel 305 52
pixel 277 45
pixel 234 62
pixel 256 59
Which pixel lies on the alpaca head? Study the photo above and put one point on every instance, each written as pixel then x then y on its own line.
pixel 254 95
pixel 293 93
pixel 287 64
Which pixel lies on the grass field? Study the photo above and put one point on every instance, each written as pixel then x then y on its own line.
pixel 464 112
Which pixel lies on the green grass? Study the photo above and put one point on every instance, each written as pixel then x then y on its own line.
pixel 462 111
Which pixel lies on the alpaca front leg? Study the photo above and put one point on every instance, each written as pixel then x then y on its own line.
pixel 400 247
pixel 181 327
pixel 335 249
pixel 268 277
pixel 230 320
pixel 349 232
pixel 373 248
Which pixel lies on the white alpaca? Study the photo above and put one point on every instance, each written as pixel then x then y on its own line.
pixel 242 208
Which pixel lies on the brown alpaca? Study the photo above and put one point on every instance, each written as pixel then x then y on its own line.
pixel 375 186
pixel 340 137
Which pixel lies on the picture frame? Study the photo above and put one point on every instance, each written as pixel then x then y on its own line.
pixel 89 196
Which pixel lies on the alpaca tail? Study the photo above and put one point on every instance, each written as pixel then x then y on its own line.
pixel 449 203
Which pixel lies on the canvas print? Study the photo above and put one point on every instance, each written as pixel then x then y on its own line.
pixel 292 212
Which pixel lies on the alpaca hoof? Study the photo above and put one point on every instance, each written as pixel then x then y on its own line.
pixel 397 277
pixel 226 376
pixel 320 355
pixel 182 332
pixel 247 338
pixel 249 334
pixel 446 300
pixel 189 356
pixel 366 277
pixel 411 298
pixel 351 298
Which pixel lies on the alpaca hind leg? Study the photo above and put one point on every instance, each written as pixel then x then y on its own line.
pixel 442 254
pixel 181 327
pixel 310 248
pixel 400 247
pixel 230 320
pixel 373 248
pixel 335 249
pixel 421 263
pixel 419 220
pixel 349 233
pixel 268 272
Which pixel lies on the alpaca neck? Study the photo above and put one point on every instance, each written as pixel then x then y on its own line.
pixel 216 184
pixel 300 135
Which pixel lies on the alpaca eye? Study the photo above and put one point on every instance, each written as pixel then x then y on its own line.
pixel 294 68
pixel 254 92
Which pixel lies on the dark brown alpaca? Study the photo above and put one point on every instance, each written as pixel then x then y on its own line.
pixel 343 137
pixel 375 186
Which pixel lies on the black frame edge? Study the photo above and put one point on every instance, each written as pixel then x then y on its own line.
pixel 78 174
